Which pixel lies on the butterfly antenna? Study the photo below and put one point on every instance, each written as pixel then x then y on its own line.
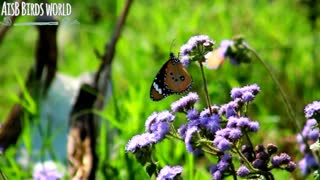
pixel 172 44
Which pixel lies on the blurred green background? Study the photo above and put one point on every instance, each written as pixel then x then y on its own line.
pixel 280 31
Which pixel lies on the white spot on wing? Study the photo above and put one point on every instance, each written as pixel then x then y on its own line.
pixel 156 87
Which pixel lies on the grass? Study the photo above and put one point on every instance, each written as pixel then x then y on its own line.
pixel 278 30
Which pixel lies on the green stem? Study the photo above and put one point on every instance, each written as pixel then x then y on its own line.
pixel 205 87
pixel 249 165
pixel 283 94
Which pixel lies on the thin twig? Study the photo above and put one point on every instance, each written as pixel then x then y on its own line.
pixel 103 75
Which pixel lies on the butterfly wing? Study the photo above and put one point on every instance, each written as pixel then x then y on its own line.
pixel 172 78
pixel 177 78
pixel 214 59
pixel 158 90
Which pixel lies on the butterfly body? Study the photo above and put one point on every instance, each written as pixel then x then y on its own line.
pixel 172 78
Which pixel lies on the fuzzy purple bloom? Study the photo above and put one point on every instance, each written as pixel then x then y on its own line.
pixel 169 172
pixel 185 102
pixel 243 171
pixel 185 61
pixel 215 173
pixel 235 134
pixel 150 120
pixel 312 109
pixel 162 128
pixel 258 163
pixel 229 109
pixel 140 141
pixel 254 126
pixel 192 115
pixel 182 130
pixel 308 163
pixel 222 166
pixel 246 93
pixel 291 166
pixel 186 50
pixel 165 116
pixel 206 111
pixel 281 159
pixel 310 130
pixel 188 138
pixel 211 123
pixel 222 143
pixel 247 97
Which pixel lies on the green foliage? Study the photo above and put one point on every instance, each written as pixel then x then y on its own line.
pixel 278 30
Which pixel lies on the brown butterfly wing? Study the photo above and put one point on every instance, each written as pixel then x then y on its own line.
pixel 177 78
pixel 158 88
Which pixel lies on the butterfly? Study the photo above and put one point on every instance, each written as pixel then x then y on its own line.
pixel 173 78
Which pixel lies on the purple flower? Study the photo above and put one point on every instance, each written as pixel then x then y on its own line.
pixel 165 116
pixel 169 172
pixel 247 97
pixel 222 143
pixel 185 102
pixel 312 109
pixel 150 120
pixel 185 61
pixel 206 111
pixel 236 93
pixel 243 171
pixel 223 164
pixel 192 115
pixel 188 138
pixel 188 50
pixel 229 109
pixel 310 131
pixel 215 173
pixel 253 126
pixel 281 159
pixel 185 49
pixel 140 141
pixel 182 130
pixel 46 171
pixel 161 129
pixel 308 163
pixel 291 166
pixel 246 93
pixel 211 123
pixel 259 163
pixel 235 134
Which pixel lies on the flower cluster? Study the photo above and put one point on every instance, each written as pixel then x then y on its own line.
pixel 220 130
pixel 308 136
pixel 195 49
pixel 157 126
pixel 169 172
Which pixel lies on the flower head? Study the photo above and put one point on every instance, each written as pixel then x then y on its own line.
pixel 192 115
pixel 196 48
pixel 312 109
pixel 308 163
pixel 243 171
pixel 185 102
pixel 169 172
pixel 188 138
pixel 246 93
pixel 222 143
pixel 211 123
pixel 281 159
pixel 46 170
pixel 140 141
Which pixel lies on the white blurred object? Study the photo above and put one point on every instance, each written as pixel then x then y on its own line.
pixel 55 110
